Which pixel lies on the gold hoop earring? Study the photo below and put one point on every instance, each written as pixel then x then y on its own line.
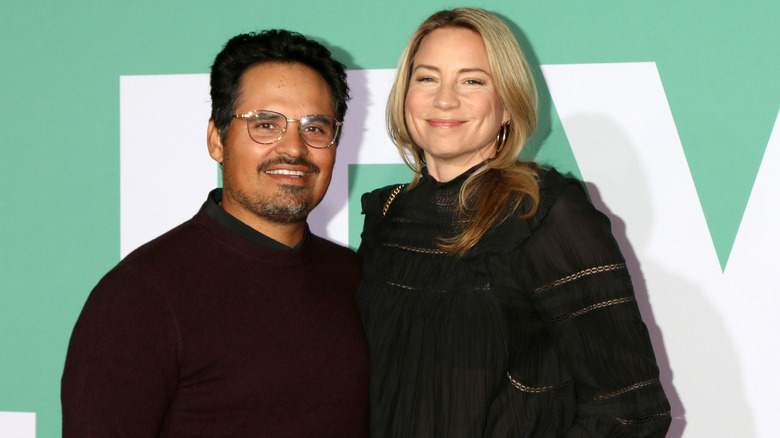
pixel 501 137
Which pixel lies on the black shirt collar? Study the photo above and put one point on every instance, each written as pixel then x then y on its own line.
pixel 241 229
pixel 453 182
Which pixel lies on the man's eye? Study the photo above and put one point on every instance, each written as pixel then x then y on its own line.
pixel 323 130
pixel 264 125
pixel 313 128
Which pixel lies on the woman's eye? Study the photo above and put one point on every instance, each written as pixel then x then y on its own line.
pixel 425 79
pixel 475 82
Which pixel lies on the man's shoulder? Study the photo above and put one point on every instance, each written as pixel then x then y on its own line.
pixel 160 264
pixel 172 252
pixel 333 249
pixel 337 264
pixel 174 240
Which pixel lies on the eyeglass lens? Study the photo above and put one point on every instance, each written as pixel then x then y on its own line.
pixel 269 126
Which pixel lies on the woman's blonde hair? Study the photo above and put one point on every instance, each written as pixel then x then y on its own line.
pixel 497 188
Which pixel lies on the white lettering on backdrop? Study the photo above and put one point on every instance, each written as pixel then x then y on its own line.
pixel 712 330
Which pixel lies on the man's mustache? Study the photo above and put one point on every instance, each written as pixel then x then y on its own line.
pixel 289 161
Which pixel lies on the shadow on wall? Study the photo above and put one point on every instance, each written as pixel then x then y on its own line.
pixel 718 378
pixel 643 301
pixel 347 151
pixel 544 110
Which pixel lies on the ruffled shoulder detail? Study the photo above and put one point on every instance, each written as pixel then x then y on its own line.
pixel 373 201
pixel 551 185
pixel 372 204
pixel 512 232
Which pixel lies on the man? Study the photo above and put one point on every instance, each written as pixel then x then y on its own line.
pixel 238 322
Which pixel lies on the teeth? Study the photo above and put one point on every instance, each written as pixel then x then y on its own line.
pixel 286 172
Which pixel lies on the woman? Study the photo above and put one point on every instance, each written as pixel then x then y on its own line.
pixel 495 299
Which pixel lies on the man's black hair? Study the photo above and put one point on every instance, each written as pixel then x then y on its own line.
pixel 282 46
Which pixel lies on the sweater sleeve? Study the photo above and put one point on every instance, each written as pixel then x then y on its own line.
pixel 581 288
pixel 120 371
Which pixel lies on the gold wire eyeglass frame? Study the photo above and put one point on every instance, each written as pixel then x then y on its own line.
pixel 252 114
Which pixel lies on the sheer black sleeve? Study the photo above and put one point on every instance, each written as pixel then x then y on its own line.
pixel 578 282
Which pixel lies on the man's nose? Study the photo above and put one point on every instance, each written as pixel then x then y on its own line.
pixel 292 143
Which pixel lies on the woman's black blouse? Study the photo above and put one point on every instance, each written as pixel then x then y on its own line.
pixel 535 332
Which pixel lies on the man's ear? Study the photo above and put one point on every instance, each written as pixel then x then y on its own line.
pixel 214 141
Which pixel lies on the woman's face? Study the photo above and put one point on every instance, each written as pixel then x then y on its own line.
pixel 452 109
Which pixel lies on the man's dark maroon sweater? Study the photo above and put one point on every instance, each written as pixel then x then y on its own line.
pixel 203 333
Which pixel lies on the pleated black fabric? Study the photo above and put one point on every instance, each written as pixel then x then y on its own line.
pixel 535 332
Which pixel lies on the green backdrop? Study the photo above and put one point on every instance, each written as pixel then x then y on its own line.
pixel 60 64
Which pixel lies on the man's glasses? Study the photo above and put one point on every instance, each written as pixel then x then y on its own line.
pixel 267 127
